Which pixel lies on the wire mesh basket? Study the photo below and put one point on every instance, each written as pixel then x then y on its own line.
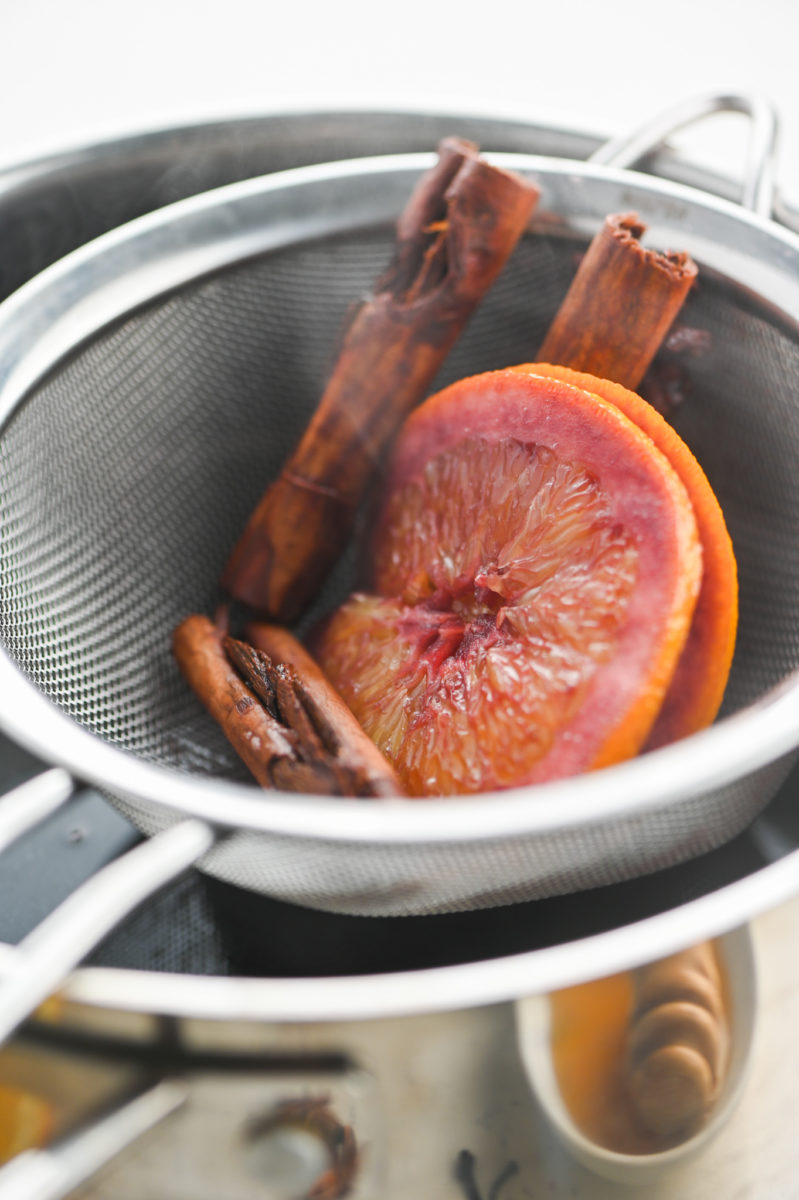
pixel 151 382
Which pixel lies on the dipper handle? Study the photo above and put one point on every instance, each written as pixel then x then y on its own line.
pixel 678 1043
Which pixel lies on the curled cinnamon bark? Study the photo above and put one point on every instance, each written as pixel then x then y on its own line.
pixel 620 305
pixel 280 717
pixel 352 751
pixel 454 237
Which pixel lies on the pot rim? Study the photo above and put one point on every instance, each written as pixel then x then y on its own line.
pixel 410 993
pixel 126 138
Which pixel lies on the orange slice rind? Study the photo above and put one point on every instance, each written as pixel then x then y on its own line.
pixel 696 692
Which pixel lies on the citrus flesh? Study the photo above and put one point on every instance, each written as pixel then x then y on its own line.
pixel 700 678
pixel 536 564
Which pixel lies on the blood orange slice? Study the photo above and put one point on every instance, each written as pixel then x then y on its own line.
pixel 697 689
pixel 536 568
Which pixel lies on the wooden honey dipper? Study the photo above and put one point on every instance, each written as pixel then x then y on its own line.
pixel 678 1043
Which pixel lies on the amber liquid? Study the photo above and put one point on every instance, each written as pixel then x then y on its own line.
pixel 589 1031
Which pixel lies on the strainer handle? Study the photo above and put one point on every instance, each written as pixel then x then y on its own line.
pixel 30 971
pixel 757 189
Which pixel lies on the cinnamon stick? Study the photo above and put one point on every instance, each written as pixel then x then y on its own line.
pixel 280 720
pixel 456 233
pixel 620 305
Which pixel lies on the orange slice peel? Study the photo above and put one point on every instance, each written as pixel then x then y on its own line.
pixel 697 689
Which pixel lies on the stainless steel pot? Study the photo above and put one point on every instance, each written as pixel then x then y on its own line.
pixel 386 1052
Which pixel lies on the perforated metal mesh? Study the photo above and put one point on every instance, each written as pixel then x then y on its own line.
pixel 128 474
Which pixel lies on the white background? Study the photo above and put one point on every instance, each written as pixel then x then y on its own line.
pixel 72 71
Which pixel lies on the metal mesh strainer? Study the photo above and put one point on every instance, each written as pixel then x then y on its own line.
pixel 154 380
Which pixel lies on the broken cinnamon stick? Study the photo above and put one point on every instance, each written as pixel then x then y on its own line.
pixel 282 723
pixel 620 305
pixel 456 233
pixel 330 716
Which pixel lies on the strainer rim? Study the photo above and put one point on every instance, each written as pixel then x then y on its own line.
pixel 680 773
